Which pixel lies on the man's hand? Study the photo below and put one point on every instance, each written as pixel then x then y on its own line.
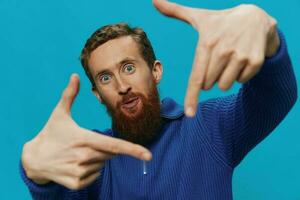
pixel 233 45
pixel 70 155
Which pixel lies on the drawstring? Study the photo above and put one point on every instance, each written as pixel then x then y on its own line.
pixel 144 167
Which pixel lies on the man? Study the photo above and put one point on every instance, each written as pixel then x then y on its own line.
pixel 193 154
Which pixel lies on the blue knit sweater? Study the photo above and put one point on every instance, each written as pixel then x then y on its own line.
pixel 194 158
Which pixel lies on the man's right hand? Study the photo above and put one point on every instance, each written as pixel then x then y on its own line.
pixel 69 155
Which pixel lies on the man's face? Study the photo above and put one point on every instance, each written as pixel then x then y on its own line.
pixel 127 86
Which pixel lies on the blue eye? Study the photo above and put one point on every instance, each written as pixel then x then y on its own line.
pixel 105 78
pixel 129 68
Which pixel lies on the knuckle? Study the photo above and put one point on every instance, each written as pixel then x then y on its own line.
pixel 83 157
pixel 79 172
pixel 76 184
pixel 75 143
pixel 252 6
pixel 86 154
pixel 223 52
pixel 252 68
pixel 249 6
pixel 273 22
pixel 256 62
pixel 240 57
pixel 210 42
pixel 114 148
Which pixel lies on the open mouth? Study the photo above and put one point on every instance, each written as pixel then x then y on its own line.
pixel 131 103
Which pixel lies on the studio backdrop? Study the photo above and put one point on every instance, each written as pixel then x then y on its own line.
pixel 40 44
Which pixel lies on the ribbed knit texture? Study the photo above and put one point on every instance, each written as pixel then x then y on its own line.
pixel 194 158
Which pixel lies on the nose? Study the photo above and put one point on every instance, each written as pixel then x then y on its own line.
pixel 123 87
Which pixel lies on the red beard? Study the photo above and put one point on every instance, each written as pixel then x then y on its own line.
pixel 138 121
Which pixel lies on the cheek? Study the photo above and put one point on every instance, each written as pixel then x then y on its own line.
pixel 142 82
pixel 109 97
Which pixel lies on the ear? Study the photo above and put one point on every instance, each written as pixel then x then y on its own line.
pixel 157 71
pixel 96 93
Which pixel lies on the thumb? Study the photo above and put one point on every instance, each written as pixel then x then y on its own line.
pixel 174 10
pixel 70 93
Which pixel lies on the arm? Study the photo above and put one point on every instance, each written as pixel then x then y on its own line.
pixel 49 191
pixel 237 44
pixel 232 46
pixel 242 120
pixel 54 191
pixel 64 160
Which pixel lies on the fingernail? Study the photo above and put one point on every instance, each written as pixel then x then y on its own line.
pixel 146 156
pixel 189 112
pixel 73 75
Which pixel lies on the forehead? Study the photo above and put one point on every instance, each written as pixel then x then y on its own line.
pixel 112 52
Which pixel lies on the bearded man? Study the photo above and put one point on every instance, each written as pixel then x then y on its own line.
pixel 192 151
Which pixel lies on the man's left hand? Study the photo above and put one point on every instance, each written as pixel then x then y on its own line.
pixel 233 46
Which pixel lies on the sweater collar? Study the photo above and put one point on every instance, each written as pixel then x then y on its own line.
pixel 170 109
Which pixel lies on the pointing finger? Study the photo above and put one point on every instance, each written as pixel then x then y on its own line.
pixel 115 146
pixel 196 81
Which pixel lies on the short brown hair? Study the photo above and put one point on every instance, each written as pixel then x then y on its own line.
pixel 114 31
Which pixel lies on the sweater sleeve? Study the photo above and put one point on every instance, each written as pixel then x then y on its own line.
pixel 238 122
pixel 54 191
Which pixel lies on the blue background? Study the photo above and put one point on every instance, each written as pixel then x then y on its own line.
pixel 40 43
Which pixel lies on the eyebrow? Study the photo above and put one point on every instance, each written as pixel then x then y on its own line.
pixel 120 63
